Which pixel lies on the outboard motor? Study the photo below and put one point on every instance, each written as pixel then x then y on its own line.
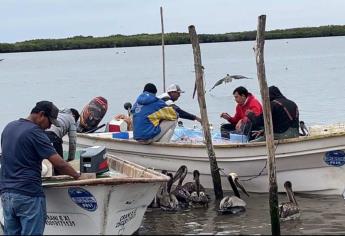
pixel 93 160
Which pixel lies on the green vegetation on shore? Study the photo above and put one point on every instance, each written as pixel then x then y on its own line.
pixel 81 42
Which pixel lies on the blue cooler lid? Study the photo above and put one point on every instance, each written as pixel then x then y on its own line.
pixel 121 135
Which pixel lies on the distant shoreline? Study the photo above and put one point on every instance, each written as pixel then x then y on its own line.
pixel 118 41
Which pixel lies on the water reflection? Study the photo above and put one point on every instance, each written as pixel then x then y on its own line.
pixel 319 215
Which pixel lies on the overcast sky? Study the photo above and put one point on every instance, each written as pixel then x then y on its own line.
pixel 31 19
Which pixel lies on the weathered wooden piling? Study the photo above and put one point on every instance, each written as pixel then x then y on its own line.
pixel 163 50
pixel 260 64
pixel 199 80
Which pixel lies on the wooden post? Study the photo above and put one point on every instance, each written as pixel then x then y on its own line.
pixel 260 64
pixel 163 52
pixel 217 184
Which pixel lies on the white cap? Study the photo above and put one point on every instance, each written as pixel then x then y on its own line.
pixel 174 88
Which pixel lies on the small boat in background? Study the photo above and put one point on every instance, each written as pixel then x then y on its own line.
pixel 113 203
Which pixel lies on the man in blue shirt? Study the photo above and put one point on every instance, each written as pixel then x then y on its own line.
pixel 24 145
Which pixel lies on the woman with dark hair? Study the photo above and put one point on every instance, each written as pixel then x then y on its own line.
pixel 285 117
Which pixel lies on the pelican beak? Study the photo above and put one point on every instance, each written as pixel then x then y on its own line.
pixel 238 184
pixel 179 173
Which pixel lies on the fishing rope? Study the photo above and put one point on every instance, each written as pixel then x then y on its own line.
pixel 253 176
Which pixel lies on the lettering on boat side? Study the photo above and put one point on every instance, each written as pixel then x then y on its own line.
pixel 335 158
pixel 124 219
pixel 83 198
pixel 60 220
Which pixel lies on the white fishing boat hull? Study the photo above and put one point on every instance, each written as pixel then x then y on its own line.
pixel 120 209
pixel 300 160
pixel 114 205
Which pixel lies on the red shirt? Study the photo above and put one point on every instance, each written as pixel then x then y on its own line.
pixel 251 104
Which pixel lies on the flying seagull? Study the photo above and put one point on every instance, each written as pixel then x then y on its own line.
pixel 227 79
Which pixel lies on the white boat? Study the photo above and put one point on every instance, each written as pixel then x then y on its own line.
pixel 111 205
pixel 314 164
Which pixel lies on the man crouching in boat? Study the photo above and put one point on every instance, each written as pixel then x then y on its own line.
pixel 153 120
pixel 246 102
pixel 285 117
pixel 24 146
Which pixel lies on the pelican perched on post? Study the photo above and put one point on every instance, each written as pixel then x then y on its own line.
pixel 227 79
pixel 181 193
pixel 289 210
pixel 233 204
pixel 167 200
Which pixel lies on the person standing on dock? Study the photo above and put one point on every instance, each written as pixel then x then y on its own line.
pixel 24 146
pixel 153 119
pixel 67 119
pixel 246 102
pixel 171 96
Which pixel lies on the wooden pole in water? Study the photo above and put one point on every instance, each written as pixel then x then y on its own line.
pixel 217 184
pixel 163 51
pixel 260 64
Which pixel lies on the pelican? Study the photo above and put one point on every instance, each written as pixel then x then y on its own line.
pixel 304 129
pixel 227 79
pixel 233 204
pixel 155 202
pixel 198 197
pixel 167 200
pixel 181 193
pixel 191 186
pixel 289 210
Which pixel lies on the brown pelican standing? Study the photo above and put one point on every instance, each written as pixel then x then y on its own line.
pixel 227 79
pixel 167 200
pixel 289 210
pixel 233 204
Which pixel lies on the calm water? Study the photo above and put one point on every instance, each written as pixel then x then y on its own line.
pixel 319 215
pixel 308 71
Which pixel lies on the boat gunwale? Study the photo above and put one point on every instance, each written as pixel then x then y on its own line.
pixel 226 145
pixel 114 180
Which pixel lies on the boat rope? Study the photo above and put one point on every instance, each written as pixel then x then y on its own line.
pixel 253 176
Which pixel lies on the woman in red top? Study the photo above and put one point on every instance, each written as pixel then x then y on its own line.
pixel 246 102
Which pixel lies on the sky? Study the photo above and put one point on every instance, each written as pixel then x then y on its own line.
pixel 36 19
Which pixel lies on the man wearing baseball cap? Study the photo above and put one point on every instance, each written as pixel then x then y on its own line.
pixel 24 146
pixel 172 94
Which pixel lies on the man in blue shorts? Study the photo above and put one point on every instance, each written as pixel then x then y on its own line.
pixel 24 145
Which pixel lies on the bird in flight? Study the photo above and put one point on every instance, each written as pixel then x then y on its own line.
pixel 227 79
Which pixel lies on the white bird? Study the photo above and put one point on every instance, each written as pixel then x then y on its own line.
pixel 233 204
pixel 227 79
pixel 289 210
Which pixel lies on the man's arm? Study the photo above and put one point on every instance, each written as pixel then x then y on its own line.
pixel 72 139
pixel 62 166
pixel 183 114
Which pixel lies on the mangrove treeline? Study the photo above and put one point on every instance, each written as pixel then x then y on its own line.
pixel 82 42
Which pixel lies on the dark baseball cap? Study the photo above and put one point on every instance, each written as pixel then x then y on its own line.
pixel 49 109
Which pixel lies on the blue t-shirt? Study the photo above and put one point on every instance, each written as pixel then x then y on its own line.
pixel 24 145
